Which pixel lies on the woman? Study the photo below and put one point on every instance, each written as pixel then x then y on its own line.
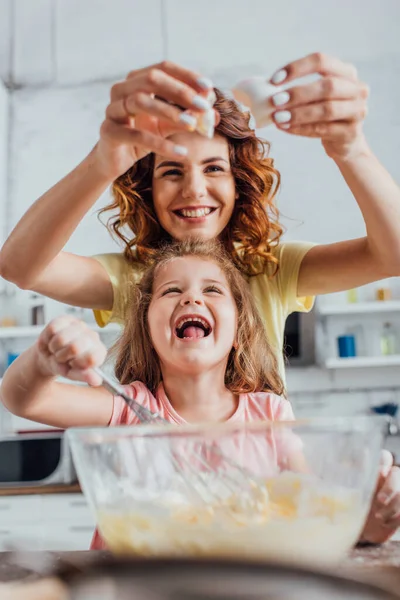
pixel 140 127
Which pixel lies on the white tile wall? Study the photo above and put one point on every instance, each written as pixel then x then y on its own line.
pixel 6 25
pixel 230 32
pixel 4 165
pixel 32 56
pixel 108 39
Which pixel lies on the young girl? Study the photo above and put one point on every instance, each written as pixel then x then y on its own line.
pixel 171 183
pixel 193 349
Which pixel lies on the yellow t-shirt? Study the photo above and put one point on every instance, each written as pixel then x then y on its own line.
pixel 276 297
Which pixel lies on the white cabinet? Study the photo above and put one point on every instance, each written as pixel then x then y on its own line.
pixel 46 522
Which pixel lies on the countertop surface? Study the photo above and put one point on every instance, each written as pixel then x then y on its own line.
pixel 60 488
pixel 375 564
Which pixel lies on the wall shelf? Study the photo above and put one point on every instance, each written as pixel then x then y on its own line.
pixel 363 361
pixel 35 330
pixel 388 306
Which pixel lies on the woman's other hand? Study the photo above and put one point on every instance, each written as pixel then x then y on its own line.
pixel 331 108
pixel 137 121
pixel 67 347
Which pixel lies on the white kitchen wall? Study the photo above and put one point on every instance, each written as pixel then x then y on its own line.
pixel 4 166
pixel 60 68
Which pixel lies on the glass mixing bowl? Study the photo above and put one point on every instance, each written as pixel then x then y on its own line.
pixel 295 491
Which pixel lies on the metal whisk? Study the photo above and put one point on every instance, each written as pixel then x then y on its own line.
pixel 234 483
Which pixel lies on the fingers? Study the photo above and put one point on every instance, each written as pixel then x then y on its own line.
pixel 314 63
pixel 149 142
pixel 140 102
pixel 321 112
pixel 72 349
pixel 326 88
pixel 137 94
pixel 386 463
pixel 191 78
pixel 387 502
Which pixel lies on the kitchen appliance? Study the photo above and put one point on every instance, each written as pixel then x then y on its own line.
pixel 35 459
pixel 311 482
pixel 299 339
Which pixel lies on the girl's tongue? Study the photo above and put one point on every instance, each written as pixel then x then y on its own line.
pixel 193 332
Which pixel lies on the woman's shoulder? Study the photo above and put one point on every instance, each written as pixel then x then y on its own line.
pixel 288 253
pixel 121 267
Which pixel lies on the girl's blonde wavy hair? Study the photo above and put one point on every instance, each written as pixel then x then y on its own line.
pixel 254 226
pixel 251 367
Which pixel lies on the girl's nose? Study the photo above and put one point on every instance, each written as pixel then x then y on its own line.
pixel 191 298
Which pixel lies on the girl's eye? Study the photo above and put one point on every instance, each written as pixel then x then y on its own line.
pixel 213 289
pixel 173 290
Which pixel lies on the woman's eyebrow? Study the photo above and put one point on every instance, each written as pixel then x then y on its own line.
pixel 172 163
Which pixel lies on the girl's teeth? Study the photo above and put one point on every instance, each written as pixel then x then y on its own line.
pixel 199 212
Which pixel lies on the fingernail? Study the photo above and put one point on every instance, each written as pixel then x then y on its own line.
pixel 188 120
pixel 181 150
pixel 284 126
pixel 279 76
pixel 382 498
pixel 205 83
pixel 281 98
pixel 283 116
pixel 201 103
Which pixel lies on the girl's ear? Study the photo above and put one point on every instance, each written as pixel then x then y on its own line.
pixel 235 345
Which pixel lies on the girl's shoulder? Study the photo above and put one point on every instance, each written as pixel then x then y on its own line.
pixel 268 406
pixel 122 414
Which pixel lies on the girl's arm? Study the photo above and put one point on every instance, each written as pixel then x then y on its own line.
pixel 332 109
pixel 29 389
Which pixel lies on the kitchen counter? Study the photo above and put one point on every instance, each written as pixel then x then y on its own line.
pixel 376 564
pixel 60 488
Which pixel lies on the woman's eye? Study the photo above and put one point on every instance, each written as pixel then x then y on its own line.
pixel 173 290
pixel 171 172
pixel 213 169
pixel 213 288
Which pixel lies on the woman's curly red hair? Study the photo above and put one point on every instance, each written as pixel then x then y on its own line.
pixel 254 226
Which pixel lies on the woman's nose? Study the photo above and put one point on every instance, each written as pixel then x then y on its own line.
pixel 194 186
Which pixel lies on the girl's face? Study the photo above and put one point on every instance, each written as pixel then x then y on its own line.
pixel 195 197
pixel 192 315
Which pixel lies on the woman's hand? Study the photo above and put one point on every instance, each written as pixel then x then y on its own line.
pixel 332 108
pixel 138 122
pixel 68 347
pixel 384 516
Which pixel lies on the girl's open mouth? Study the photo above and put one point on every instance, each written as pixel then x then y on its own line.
pixel 194 213
pixel 189 328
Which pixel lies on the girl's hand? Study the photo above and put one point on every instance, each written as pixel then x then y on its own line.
pixel 332 108
pixel 384 516
pixel 68 347
pixel 137 122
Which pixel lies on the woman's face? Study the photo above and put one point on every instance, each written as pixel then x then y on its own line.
pixel 192 316
pixel 195 196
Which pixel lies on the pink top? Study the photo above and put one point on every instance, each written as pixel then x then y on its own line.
pixel 260 406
